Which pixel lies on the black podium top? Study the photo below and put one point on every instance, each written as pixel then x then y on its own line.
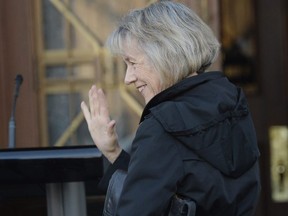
pixel 50 165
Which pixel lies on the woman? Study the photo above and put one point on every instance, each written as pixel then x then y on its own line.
pixel 195 139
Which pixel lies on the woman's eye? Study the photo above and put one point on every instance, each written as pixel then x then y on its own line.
pixel 129 62
pixel 132 63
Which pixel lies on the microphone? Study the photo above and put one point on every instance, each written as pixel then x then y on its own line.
pixel 12 126
pixel 18 81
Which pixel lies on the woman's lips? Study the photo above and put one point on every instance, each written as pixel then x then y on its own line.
pixel 141 88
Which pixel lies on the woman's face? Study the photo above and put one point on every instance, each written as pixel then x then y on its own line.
pixel 140 72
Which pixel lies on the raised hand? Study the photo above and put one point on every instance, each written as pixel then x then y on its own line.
pixel 101 127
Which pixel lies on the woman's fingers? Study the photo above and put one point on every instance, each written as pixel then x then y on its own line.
pixel 91 98
pixel 98 103
pixel 111 127
pixel 103 109
pixel 85 111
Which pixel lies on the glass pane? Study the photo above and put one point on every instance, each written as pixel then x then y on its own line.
pixel 53 27
pixel 58 116
pixel 83 71
pixel 56 72
pixel 78 70
pixel 99 17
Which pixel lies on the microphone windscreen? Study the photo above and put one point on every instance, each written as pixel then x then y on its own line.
pixel 19 79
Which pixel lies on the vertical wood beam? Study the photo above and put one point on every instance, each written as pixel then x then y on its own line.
pixel 17 56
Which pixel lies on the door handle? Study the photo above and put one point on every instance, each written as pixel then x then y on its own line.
pixel 279 162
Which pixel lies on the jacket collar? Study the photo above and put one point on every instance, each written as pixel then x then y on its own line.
pixel 179 88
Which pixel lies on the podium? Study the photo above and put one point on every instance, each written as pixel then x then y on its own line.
pixel 61 169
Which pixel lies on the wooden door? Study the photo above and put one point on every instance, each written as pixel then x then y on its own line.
pixel 269 105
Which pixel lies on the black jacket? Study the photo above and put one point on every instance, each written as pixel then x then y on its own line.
pixel 196 139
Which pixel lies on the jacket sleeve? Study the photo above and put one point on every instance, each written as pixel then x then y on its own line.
pixel 154 170
pixel 121 163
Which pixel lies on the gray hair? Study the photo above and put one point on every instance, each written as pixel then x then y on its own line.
pixel 175 40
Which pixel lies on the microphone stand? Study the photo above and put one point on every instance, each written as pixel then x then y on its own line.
pixel 12 125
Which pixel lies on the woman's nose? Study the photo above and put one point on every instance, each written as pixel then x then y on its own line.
pixel 129 76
